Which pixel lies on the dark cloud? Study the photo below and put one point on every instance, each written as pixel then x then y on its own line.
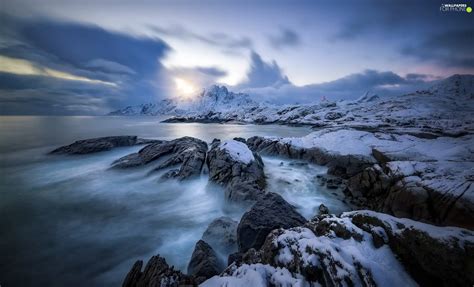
pixel 215 39
pixel 132 64
pixel 349 87
pixel 417 29
pixel 448 49
pixel 285 38
pixel 28 94
pixel 263 74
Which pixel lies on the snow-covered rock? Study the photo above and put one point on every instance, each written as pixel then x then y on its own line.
pixel 407 176
pixel 233 165
pixel 360 248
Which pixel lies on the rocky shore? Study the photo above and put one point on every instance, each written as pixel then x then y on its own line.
pixel 415 197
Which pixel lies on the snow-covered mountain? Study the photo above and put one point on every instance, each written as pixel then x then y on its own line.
pixel 214 99
pixel 445 107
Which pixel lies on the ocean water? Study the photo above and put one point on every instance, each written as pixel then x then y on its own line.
pixel 72 221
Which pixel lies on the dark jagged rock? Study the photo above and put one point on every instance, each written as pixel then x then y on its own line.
pixel 156 273
pixel 221 234
pixel 188 152
pixel 243 180
pixel 268 213
pixel 204 262
pixel 323 209
pixel 99 144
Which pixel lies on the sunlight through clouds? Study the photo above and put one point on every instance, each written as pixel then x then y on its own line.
pixel 23 67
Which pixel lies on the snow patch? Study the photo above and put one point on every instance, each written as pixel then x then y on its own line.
pixel 238 151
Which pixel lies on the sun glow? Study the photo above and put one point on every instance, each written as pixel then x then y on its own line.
pixel 184 87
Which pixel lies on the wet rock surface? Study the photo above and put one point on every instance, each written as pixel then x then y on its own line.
pixel 204 262
pixel 221 234
pixel 244 180
pixel 188 152
pixel 156 273
pixel 100 144
pixel 268 213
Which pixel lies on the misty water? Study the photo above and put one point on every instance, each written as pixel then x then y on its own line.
pixel 72 221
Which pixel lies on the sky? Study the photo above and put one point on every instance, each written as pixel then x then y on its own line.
pixel 92 57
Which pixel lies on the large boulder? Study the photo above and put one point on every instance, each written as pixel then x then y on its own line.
pixel 188 152
pixel 99 144
pixel 233 165
pixel 204 262
pixel 156 273
pixel 221 234
pixel 270 212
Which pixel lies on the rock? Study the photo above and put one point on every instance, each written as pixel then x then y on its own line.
pixel 156 273
pixel 188 152
pixel 99 144
pixel 416 190
pixel 234 166
pixel 323 209
pixel 362 248
pixel 343 166
pixel 333 182
pixel 221 234
pixel 434 256
pixel 204 262
pixel 268 213
pixel 240 139
pixel 170 174
pixel 333 116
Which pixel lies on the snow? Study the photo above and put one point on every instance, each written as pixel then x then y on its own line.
pixel 346 141
pixel 447 234
pixel 256 275
pixel 314 251
pixel 444 108
pixel 238 151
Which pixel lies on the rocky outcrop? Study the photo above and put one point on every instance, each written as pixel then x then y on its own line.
pixel 433 255
pixel 360 248
pixel 99 144
pixel 234 166
pixel 156 273
pixel 268 213
pixel 204 262
pixel 221 234
pixel 419 190
pixel 188 152
pixel 343 166
pixel 424 179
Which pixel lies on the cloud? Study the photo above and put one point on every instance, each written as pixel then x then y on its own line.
pixel 36 94
pixel 448 49
pixel 215 39
pixel 349 87
pixel 285 38
pixel 75 59
pixel 263 74
pixel 198 76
